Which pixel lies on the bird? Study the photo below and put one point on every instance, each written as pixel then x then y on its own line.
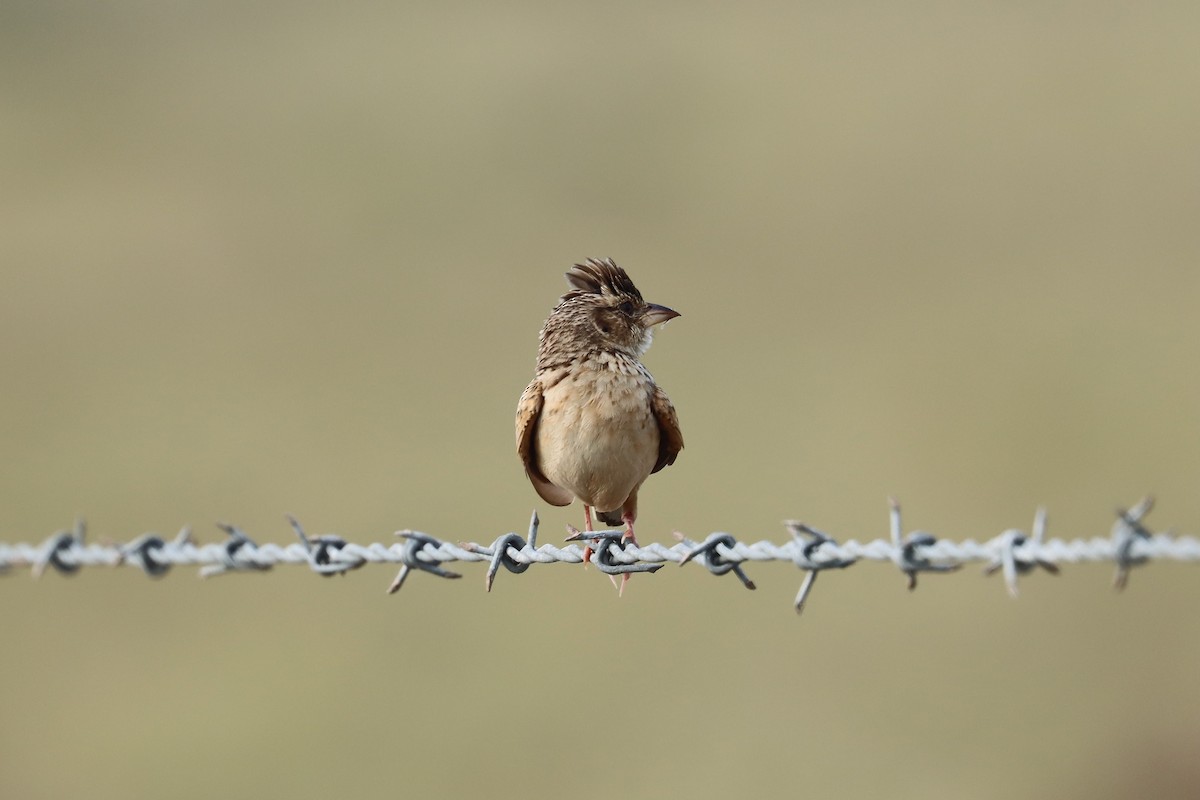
pixel 592 425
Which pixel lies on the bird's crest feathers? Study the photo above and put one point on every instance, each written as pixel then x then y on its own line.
pixel 601 276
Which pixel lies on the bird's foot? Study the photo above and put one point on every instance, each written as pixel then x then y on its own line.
pixel 576 535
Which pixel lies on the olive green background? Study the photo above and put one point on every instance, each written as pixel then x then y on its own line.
pixel 260 259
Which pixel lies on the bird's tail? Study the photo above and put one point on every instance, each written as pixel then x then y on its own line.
pixel 610 517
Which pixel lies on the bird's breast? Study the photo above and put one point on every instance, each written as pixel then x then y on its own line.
pixel 597 436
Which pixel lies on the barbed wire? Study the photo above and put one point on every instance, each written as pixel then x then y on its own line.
pixel 1013 553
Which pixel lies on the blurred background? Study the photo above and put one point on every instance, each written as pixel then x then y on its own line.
pixel 293 258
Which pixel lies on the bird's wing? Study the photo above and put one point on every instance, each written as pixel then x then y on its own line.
pixel 670 438
pixel 529 409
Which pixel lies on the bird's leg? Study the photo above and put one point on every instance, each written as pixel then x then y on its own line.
pixel 627 518
pixel 628 536
pixel 587 526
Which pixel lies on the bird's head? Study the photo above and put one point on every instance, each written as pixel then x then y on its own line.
pixel 604 298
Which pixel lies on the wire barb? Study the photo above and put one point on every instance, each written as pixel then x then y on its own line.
pixel 499 552
pixel 319 548
pixel 609 548
pixel 410 557
pixel 1011 559
pixel 238 541
pixel 144 551
pixel 59 545
pixel 712 559
pixel 908 551
pixel 1128 530
pixel 805 557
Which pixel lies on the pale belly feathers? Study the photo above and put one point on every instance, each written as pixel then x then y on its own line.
pixel 597 437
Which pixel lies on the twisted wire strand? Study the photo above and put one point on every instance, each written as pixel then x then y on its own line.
pixel 1013 552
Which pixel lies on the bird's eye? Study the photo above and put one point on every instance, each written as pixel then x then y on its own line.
pixel 626 307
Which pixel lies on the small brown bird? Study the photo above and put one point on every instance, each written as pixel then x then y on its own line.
pixel 592 424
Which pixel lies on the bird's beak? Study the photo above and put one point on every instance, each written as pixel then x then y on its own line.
pixel 655 314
